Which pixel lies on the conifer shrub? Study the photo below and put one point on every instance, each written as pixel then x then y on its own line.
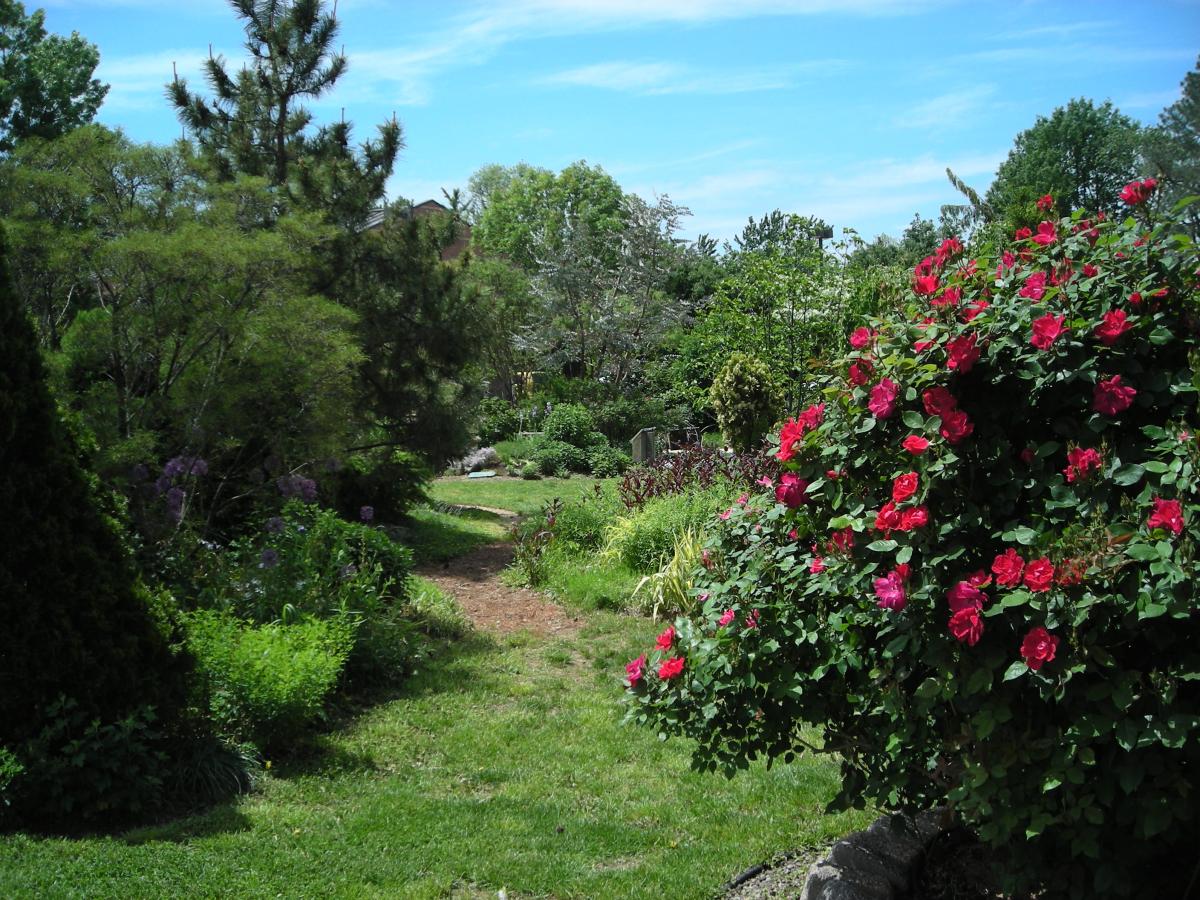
pixel 746 400
pixel 77 629
pixel 977 569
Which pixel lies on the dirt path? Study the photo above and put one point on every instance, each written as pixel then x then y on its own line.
pixel 491 605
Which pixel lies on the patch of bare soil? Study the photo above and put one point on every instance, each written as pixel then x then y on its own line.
pixel 474 581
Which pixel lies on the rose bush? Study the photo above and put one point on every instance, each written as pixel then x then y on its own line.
pixel 986 596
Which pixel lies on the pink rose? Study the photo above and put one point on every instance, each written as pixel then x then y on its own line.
pixel 861 337
pixel 883 398
pixel 817 566
pixel 1167 514
pixel 890 591
pixel 792 490
pixel 726 617
pixel 965 595
pixel 635 670
pixel 915 444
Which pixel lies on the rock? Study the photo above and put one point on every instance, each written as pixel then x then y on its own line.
pixel 483 458
pixel 852 854
pixel 830 882
pixel 893 842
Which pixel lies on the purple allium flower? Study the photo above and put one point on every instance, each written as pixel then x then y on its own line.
pixel 162 483
pixel 269 559
pixel 185 465
pixel 175 497
pixel 297 486
pixel 367 513
pixel 274 525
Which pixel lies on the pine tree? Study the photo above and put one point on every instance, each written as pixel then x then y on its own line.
pixel 75 622
pixel 256 123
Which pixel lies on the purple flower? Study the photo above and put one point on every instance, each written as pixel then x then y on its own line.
pixel 185 465
pixel 367 513
pixel 274 525
pixel 297 486
pixel 162 483
pixel 139 472
pixel 269 559
pixel 175 497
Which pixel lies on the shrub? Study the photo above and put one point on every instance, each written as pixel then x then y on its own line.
pixel 746 400
pixel 497 420
pixel 998 608
pixel 435 611
pixel 268 683
pixel 570 424
pixel 557 458
pixel 582 523
pixel 643 539
pixel 669 590
pixel 607 462
pixel 695 468
pixel 390 485
pixel 530 472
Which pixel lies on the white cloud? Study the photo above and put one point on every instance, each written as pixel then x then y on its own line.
pixel 660 78
pixel 948 110
pixel 139 82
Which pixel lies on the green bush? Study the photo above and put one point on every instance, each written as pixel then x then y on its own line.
pixel 268 683
pixel 582 523
pixel 388 484
pixel 557 457
pixel 991 601
pixel 747 401
pixel 530 471
pixel 644 539
pixel 517 451
pixel 607 462
pixel 570 424
pixel 497 419
pixel 435 611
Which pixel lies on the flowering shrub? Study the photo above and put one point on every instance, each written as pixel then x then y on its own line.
pixel 977 570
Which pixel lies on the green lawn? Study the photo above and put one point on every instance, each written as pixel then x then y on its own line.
pixel 501 765
pixel 436 536
pixel 502 492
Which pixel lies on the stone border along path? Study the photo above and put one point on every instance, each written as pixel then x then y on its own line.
pixel 879 863
pixel 490 604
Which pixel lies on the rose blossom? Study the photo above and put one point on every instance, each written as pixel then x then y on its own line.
pixel 817 566
pixel 1110 397
pixel 973 309
pixel 1046 331
pixel 1047 234
pixel 915 517
pixel 1114 325
pixel 726 617
pixel 792 490
pixel 1039 575
pixel 965 595
pixel 956 426
pixel 670 668
pixel 1138 192
pixel 915 444
pixel 1045 202
pixel 1081 462
pixel 883 398
pixel 890 591
pixel 1021 234
pixel 938 401
pixel 888 517
pixel 966 625
pixel 1007 567
pixel 859 373
pixel 860 337
pixel 1038 647
pixel 904 486
pixel 963 353
pixel 666 639
pixel 635 669
pixel 1035 287
pixel 1167 514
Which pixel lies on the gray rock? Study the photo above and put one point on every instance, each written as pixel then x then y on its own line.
pixel 852 855
pixel 483 458
pixel 830 882
pixel 893 842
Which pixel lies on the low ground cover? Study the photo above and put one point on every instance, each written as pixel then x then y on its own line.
pixel 522 497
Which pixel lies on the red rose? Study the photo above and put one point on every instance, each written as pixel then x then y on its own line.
pixel 1090 271
pixel 726 617
pixel 789 435
pixel 1138 192
pixel 974 309
pixel 817 566
pixel 949 249
pixel 1007 567
pixel 888 517
pixel 904 487
pixel 1135 299
pixel 923 285
pixel 1081 462
pixel 1047 234
pixel 1167 514
pixel 962 352
pixel 890 591
pixel 860 373
pixel 1113 326
pixel 670 668
pixel 792 490
pixel 966 625
pixel 916 517
pixel 860 337
pixel 1038 647
pixel 956 426
pixel 635 669
pixel 915 444
pixel 1021 234
pixel 979 579
pixel 666 639
pixel 1110 397
pixel 965 595
pixel 842 541
pixel 904 570
pixel 812 417
pixel 1039 575
pixel 1045 202
pixel 883 398
pixel 1035 287
pixel 1028 455
pixel 1046 331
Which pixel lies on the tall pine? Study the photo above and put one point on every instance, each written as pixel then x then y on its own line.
pixel 73 621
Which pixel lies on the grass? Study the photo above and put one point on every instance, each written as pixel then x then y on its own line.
pixel 501 765
pixel 437 535
pixel 586 582
pixel 438 612
pixel 515 494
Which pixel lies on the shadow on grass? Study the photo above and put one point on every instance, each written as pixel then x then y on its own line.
pixel 439 536
pixel 224 818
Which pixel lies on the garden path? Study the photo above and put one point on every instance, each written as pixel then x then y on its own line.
pixel 491 605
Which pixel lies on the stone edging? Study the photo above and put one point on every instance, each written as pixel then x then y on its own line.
pixel 878 863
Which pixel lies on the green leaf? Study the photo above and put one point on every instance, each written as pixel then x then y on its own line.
pixel 1141 552
pixel 1155 466
pixel 882 546
pixel 913 419
pixel 1128 474
pixel 904 555
pixel 929 688
pixel 1015 670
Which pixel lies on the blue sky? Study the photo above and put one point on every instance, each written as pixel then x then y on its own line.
pixel 846 109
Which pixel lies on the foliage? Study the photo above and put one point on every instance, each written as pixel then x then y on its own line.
pixel 570 424
pixel 438 533
pixel 669 590
pixel 644 538
pixel 607 462
pixel 695 468
pixel 530 472
pixel 559 458
pixel 746 399
pixel 1082 155
pixel 532 541
pixel 383 483
pixel 268 683
pixel 436 612
pixel 46 83
pixel 997 610
pixel 497 419
pixel 76 623
pixel 1172 150
pixel 255 124
pixel 79 771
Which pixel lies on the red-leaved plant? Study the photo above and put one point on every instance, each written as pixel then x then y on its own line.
pixel 984 592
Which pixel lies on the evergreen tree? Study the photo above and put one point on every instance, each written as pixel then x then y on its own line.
pixel 1173 149
pixel 76 624
pixel 256 122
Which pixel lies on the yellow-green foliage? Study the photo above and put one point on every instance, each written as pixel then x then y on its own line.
pixel 746 399
pixel 669 590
